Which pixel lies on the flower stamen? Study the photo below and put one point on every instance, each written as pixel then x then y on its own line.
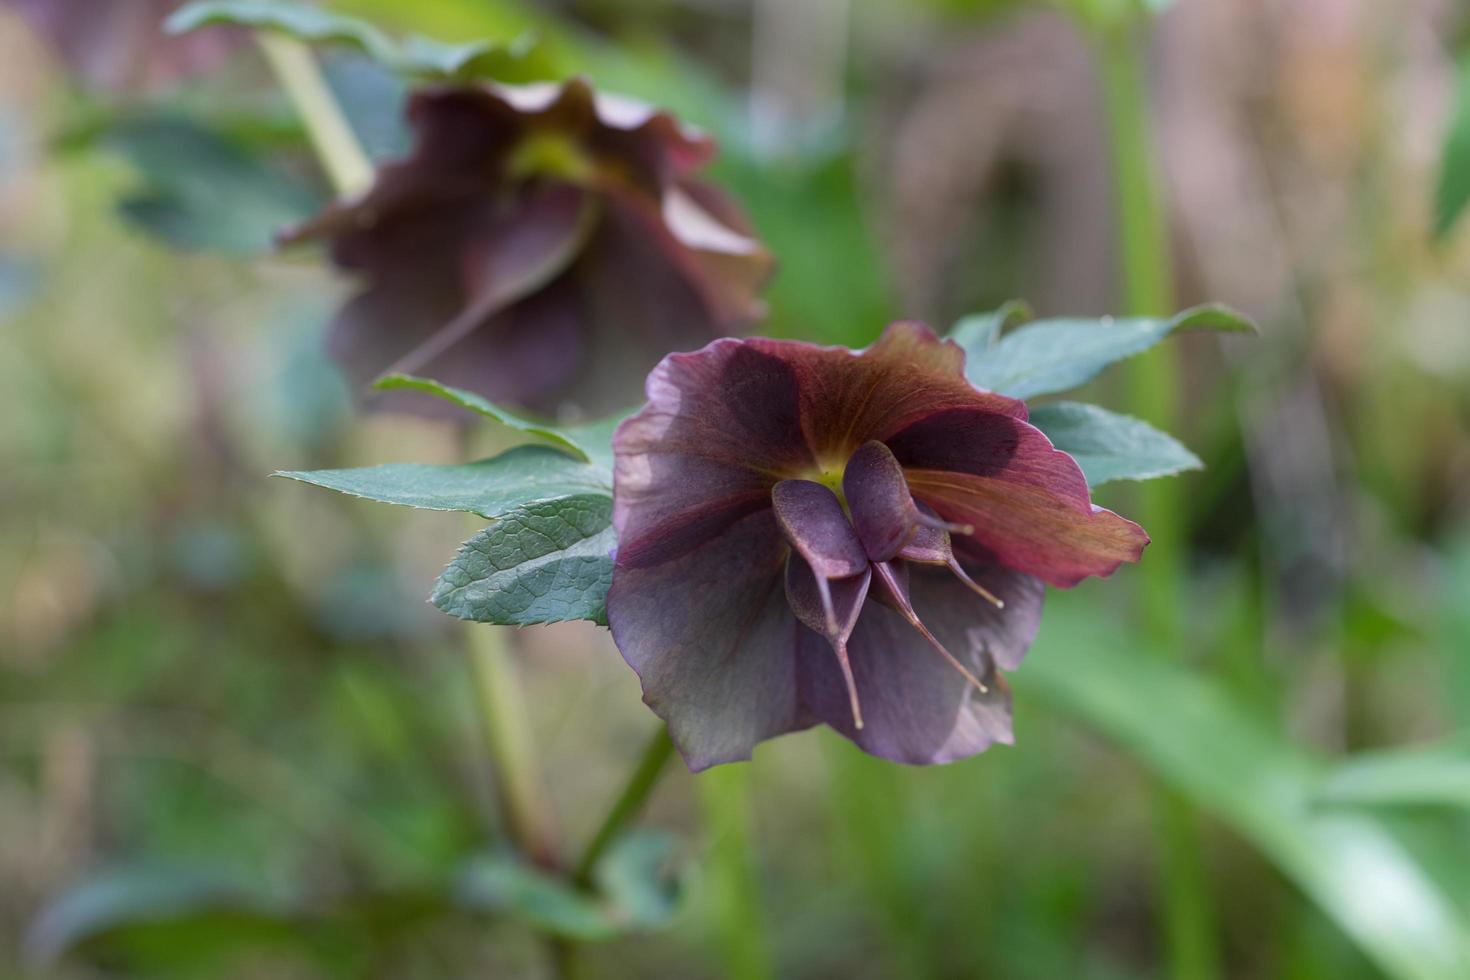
pixel 954 566
pixel 900 602
pixel 938 524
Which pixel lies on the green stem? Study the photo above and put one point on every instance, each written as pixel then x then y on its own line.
pixel 527 811
pixel 331 136
pixel 724 793
pixel 1188 920
pixel 640 784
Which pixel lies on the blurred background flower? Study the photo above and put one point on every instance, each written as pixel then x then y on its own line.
pixel 543 246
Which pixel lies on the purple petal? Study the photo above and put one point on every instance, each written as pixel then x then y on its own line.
pixel 702 453
pixel 883 510
pixel 831 609
pixel 931 545
pixel 509 261
pixel 811 519
pixel 647 293
pixel 1028 503
pixel 713 641
pixel 453 237
pixel 916 707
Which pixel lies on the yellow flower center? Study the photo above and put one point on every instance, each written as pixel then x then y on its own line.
pixel 547 153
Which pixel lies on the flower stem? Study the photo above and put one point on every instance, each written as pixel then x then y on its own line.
pixel 724 793
pixel 331 136
pixel 640 784
pixel 527 812
pixel 1187 915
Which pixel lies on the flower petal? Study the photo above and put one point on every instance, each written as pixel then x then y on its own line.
pixel 848 398
pixel 509 260
pixel 647 293
pixel 831 609
pixel 811 519
pixel 712 639
pixel 703 453
pixel 1028 503
pixel 418 315
pixel 512 190
pixel 917 708
pixel 643 135
pixel 883 510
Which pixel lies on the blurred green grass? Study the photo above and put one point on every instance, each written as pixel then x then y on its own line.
pixel 220 677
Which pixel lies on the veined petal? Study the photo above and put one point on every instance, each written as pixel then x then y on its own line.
pixel 849 398
pixel 834 399
pixel 713 640
pixel 719 427
pixel 1028 503
pixel 917 708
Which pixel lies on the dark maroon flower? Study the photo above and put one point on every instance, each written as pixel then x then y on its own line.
pixel 810 534
pixel 542 244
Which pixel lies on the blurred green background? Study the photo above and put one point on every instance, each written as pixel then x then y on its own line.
pixel 235 741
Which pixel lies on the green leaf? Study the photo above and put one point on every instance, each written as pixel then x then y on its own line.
pixel 1196 739
pixel 547 555
pixel 635 876
pixel 171 915
pixel 414 55
pixel 591 442
pixel 1109 446
pixel 505 884
pixel 1056 355
pixel 491 487
pixel 543 563
pixel 200 190
pixel 1424 776
pixel 978 331
pixel 637 891
pixel 1452 192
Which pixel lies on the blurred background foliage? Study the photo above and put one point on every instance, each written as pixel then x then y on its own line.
pixel 234 741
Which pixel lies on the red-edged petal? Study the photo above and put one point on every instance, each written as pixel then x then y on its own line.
pixel 1028 503
pixel 712 639
pixel 849 398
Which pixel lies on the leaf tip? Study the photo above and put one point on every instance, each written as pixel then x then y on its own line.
pixel 1215 316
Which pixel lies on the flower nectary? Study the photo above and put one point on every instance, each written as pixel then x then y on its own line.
pixel 810 534
pixel 534 233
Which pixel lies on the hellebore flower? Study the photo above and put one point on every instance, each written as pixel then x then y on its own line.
pixel 810 534
pixel 542 245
